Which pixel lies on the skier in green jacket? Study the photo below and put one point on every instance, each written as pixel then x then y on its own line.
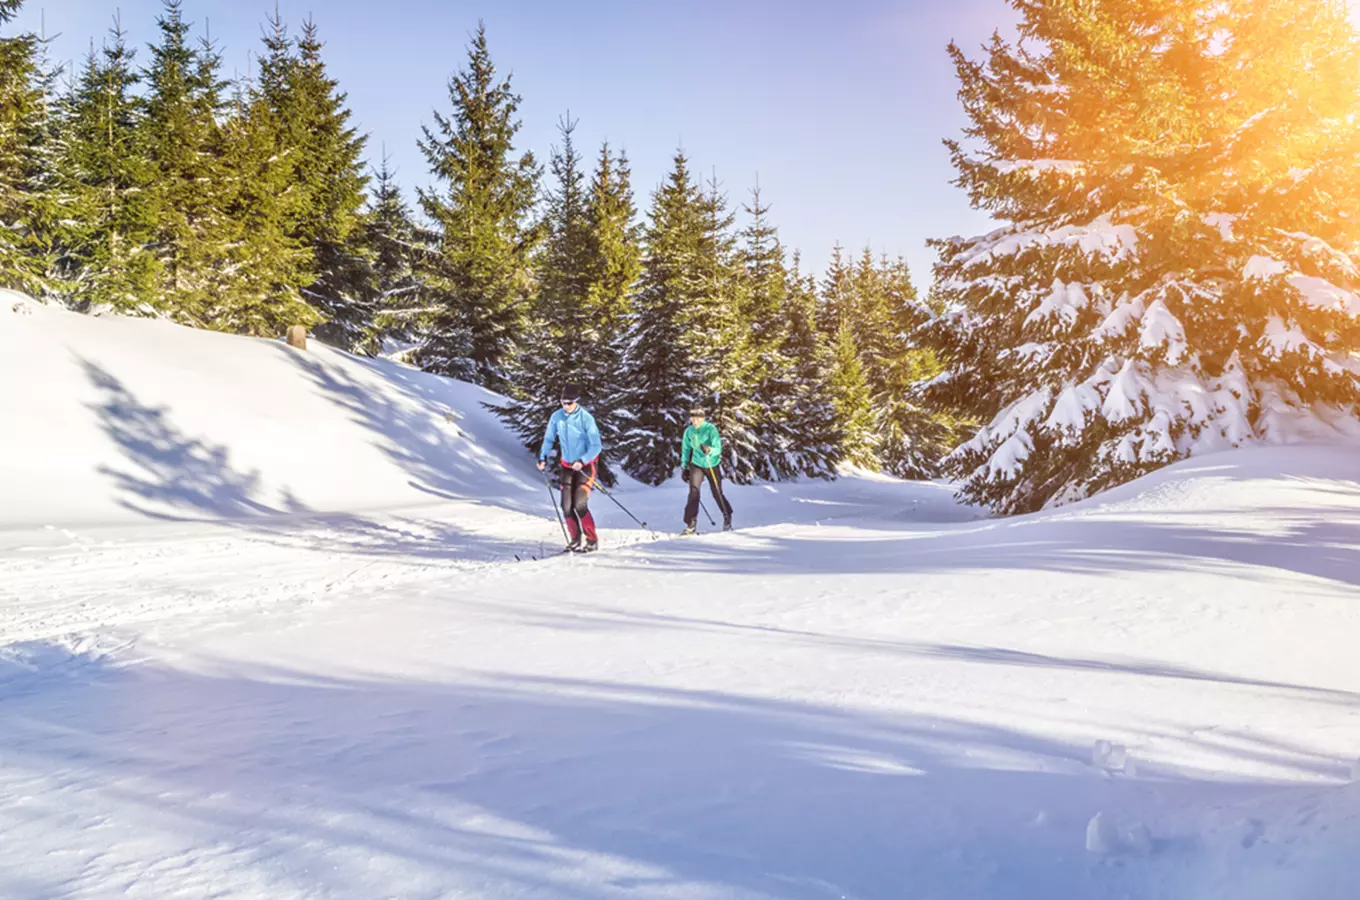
pixel 700 455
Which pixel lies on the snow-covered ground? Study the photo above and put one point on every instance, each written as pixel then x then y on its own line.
pixel 263 634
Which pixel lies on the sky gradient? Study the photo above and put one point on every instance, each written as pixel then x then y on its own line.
pixel 838 108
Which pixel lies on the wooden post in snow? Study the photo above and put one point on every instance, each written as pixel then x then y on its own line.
pixel 297 336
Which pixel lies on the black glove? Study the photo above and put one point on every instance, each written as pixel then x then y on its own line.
pixel 704 447
pixel 684 473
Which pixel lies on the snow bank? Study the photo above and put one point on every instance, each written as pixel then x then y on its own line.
pixel 111 419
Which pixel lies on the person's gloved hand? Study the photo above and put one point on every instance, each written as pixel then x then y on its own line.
pixel 576 465
pixel 684 473
pixel 541 464
pixel 704 447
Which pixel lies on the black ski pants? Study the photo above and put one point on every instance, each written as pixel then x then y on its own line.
pixel 698 475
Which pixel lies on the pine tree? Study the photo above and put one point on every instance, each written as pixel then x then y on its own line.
pixel 913 436
pixel 663 379
pixel 482 277
pixel 615 265
pixel 809 436
pixel 719 336
pixel 837 294
pixel 1177 272
pixel 852 400
pixel 183 144
pixel 22 118
pixel 106 258
pixel 561 338
pixel 268 261
pixel 389 242
pixel 769 372
pixel 328 176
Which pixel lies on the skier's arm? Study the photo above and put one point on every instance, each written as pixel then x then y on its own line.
pixel 714 442
pixel 592 440
pixel 684 450
pixel 549 438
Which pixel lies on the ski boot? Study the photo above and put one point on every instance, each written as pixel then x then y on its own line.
pixel 690 528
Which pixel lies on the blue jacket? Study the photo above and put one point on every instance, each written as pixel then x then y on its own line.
pixel 576 434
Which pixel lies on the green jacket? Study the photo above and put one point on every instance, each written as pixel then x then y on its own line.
pixel 690 452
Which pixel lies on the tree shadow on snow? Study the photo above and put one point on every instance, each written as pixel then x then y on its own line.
pixel 580 789
pixel 172 476
pixel 1319 543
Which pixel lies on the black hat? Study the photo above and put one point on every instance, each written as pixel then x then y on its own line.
pixel 697 411
pixel 571 391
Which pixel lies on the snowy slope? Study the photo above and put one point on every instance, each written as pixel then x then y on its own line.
pixel 335 681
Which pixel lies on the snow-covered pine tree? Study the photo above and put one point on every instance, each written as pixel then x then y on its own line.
pixel 837 294
pixel 770 375
pixel 482 276
pixel 560 339
pixel 852 400
pixel 718 333
pixel 663 380
pixel 806 397
pixel 183 143
pixel 21 137
pixel 1176 272
pixel 106 260
pixel 615 264
pixel 328 154
pixel 913 437
pixel 391 244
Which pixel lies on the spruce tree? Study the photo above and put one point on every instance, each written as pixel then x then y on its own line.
pixel 769 371
pixel 1177 267
pixel 183 143
pixel 914 436
pixel 482 276
pixel 112 177
pixel 22 117
pixel 663 378
pixel 328 176
pixel 268 261
pixel 852 399
pixel 390 244
pixel 813 437
pixel 615 265
pixel 561 338
pixel 719 339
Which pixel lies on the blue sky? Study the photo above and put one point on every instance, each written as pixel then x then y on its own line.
pixel 839 107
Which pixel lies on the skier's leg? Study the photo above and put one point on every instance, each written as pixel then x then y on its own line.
pixel 566 479
pixel 585 479
pixel 720 498
pixel 696 480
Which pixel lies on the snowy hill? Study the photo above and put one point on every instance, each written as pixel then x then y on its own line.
pixel 263 634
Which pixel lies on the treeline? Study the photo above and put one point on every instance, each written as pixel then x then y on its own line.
pixel 147 183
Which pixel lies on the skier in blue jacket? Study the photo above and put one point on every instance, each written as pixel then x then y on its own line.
pixel 574 430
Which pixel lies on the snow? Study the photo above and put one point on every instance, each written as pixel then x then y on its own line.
pixel 1040 166
pixel 1101 237
pixel 1064 302
pixel 1223 222
pixel 1322 294
pixel 1161 329
pixel 1263 268
pixel 1127 390
pixel 263 635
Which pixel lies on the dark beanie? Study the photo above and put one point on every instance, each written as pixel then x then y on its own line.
pixel 571 391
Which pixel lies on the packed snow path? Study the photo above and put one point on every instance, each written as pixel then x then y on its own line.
pixel 233 667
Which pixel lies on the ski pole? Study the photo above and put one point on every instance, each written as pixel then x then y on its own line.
pixel 722 501
pixel 705 509
pixel 556 510
pixel 620 505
